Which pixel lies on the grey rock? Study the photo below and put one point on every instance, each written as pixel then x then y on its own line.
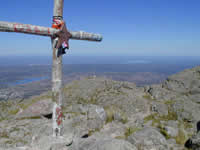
pixel 159 92
pixel 85 109
pixel 173 132
pixel 40 108
pixel 183 83
pixel 93 143
pixel 95 116
pixel 195 98
pixel 112 144
pixel 59 146
pixel 10 94
pixel 159 108
pixel 148 124
pixel 171 141
pixel 148 138
pixel 106 93
pixel 49 143
pixel 113 129
pixel 194 142
pixel 172 123
pixel 186 109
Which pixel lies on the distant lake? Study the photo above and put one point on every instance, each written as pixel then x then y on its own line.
pixel 24 81
pixel 137 62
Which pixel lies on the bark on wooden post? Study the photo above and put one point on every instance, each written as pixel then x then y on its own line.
pixel 57 96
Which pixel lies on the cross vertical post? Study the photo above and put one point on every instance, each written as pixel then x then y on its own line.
pixel 57 96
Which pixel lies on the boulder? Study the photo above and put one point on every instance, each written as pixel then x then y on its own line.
pixel 194 142
pixel 10 94
pixel 112 144
pixel 51 143
pixel 186 109
pixel 38 109
pixel 159 108
pixel 103 143
pixel 159 92
pixel 172 132
pixel 148 138
pixel 95 116
pixel 183 83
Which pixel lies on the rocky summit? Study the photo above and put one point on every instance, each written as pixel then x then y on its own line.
pixel 102 114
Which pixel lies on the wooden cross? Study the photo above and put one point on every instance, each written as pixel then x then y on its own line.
pixel 59 37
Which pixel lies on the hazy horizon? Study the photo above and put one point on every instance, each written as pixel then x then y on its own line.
pixel 46 60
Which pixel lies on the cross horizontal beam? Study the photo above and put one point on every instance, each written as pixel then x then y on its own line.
pixel 45 31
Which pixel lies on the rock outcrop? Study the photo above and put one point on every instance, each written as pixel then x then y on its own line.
pixel 102 114
pixel 148 138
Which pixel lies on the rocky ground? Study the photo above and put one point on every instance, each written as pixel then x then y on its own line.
pixel 102 114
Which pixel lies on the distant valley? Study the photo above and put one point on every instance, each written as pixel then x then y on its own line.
pixel 24 81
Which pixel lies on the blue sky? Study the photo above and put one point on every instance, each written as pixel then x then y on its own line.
pixel 129 27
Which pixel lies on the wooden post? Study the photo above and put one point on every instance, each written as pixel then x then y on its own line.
pixel 45 31
pixel 57 96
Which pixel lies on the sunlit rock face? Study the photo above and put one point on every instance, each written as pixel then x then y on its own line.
pixel 100 113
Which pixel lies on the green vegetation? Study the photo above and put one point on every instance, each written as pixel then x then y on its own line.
pixel 111 111
pixel 13 111
pixel 81 100
pixel 15 141
pixel 8 108
pixel 2 118
pixel 125 120
pixel 163 132
pixel 180 138
pixel 150 117
pixel 156 118
pixel 130 130
pixel 4 134
pixel 169 102
pixel 5 105
pixel 171 116
pixel 93 100
pixel 156 122
pixel 120 137
pixel 148 97
pixel 187 124
pixel 75 124
pixel 14 129
pixel 93 131
pixel 70 87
